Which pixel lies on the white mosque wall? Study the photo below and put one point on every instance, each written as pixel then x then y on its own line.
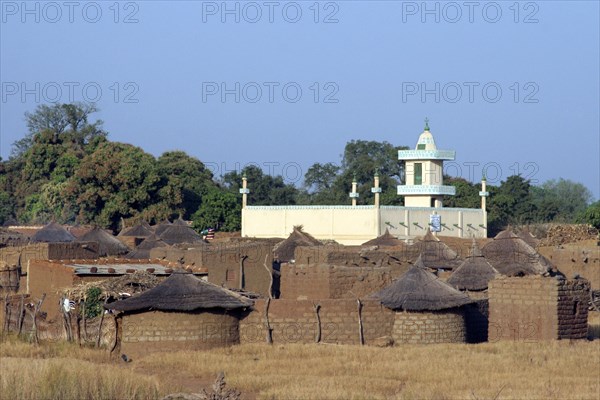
pixel 350 225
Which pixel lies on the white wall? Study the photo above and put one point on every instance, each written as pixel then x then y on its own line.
pixel 355 225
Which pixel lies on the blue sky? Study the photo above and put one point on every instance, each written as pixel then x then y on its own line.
pixel 512 87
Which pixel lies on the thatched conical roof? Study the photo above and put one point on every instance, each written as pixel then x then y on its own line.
pixel 178 233
pixel 52 233
pixel 529 238
pixel 387 239
pixel 420 290
pixel 474 273
pixel 142 251
pixel 182 292
pixel 160 228
pixel 284 250
pixel 512 256
pixel 108 245
pixel 434 253
pixel 179 221
pixel 143 230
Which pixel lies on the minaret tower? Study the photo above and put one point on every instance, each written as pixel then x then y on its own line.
pixel 424 171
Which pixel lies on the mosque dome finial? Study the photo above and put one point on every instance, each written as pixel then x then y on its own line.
pixel 426 124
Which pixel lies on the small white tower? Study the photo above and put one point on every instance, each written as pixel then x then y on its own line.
pixel 424 173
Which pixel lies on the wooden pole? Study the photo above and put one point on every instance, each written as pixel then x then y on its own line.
pixel 100 326
pixel 360 324
pixel 317 307
pixel 267 324
pixel 269 270
pixel 6 327
pixel 36 339
pixel 21 315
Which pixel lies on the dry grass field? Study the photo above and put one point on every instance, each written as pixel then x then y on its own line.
pixel 505 370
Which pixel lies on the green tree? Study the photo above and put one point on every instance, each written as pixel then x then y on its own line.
pixel 117 180
pixel 220 210
pixel 184 180
pixel 467 193
pixel 591 215
pixel 510 203
pixel 560 200
pixel 264 189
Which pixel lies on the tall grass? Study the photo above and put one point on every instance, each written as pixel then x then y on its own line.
pixel 67 371
pixel 546 370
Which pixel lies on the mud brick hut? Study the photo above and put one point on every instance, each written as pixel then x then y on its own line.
pixel 385 240
pixel 53 277
pixel 533 308
pixel 132 236
pixel 284 250
pixel 179 232
pixel 435 254
pixel 512 256
pixel 182 313
pixel 142 251
pixel 473 277
pixel 427 309
pixel 108 245
pixel 161 227
pixel 52 233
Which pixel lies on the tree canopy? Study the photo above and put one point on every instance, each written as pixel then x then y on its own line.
pixel 66 169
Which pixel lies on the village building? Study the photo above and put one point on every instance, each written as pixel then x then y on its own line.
pixel 53 277
pixel 134 235
pixel 354 224
pixel 52 233
pixel 533 308
pixel 473 277
pixel 510 255
pixel 427 310
pixel 142 251
pixel 179 232
pixel 108 245
pixel 181 313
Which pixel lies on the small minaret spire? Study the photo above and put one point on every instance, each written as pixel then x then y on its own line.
pixel 244 190
pixel 376 189
pixel 354 193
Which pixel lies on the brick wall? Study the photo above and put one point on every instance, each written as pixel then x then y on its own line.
pixel 447 326
pixel 571 259
pixel 172 331
pixel 223 262
pixel 295 321
pixel 533 308
pixel 326 281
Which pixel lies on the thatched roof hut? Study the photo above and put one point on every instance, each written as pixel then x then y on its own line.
pixel 512 256
pixel 420 290
pixel 529 238
pixel 434 253
pixel 52 233
pixel 143 230
pixel 183 292
pixel 142 251
pixel 160 228
pixel 387 239
pixel 180 233
pixel 284 250
pixel 108 245
pixel 474 273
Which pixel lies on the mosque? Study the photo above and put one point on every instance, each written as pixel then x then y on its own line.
pixel 355 224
